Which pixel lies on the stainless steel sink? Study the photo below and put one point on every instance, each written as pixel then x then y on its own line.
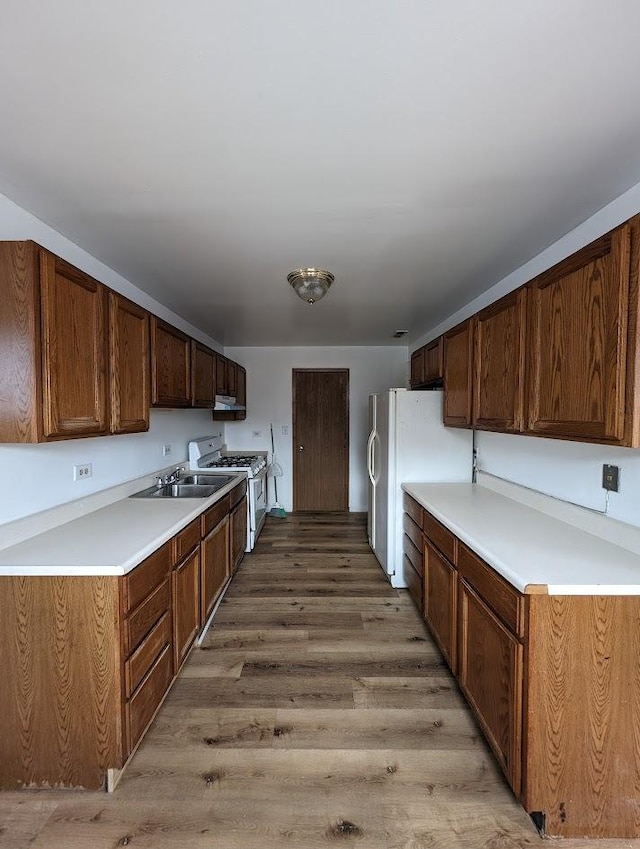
pixel 189 486
pixel 201 479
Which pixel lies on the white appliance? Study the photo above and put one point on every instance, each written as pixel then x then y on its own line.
pixel 207 453
pixel 408 444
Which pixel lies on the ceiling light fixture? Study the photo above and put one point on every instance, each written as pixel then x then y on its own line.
pixel 310 284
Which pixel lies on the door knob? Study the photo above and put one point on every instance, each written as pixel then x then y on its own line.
pixel 300 447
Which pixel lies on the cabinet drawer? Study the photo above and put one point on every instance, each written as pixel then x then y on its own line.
pixel 414 583
pixel 413 509
pixel 186 540
pixel 237 494
pixel 413 554
pixel 442 538
pixel 505 601
pixel 145 616
pixel 412 531
pixel 215 514
pixel 141 707
pixel 151 572
pixel 143 657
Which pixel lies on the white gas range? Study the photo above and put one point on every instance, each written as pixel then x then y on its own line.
pixel 206 453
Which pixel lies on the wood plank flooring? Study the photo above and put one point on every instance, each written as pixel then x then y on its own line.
pixel 317 713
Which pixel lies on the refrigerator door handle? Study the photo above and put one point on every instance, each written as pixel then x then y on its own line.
pixel 372 436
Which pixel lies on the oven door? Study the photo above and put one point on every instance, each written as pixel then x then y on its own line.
pixel 257 503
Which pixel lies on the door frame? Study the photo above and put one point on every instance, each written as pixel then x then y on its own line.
pixel 295 371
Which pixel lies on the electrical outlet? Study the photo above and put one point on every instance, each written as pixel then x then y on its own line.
pixel 610 477
pixel 166 450
pixel 81 472
pixel 285 430
pixel 256 433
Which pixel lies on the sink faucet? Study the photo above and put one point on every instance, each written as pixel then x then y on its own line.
pixel 171 477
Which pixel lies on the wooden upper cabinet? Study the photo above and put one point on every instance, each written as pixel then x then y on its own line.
pixel 241 392
pixel 433 361
pixel 74 350
pixel 203 375
pixel 128 365
pixel 579 375
pixel 221 375
pixel 426 364
pixel 498 384
pixel 170 365
pixel 417 368
pixel 232 378
pixel 458 374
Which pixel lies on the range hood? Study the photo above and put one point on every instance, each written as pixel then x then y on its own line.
pixel 227 403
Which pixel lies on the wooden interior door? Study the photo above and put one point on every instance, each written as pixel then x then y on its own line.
pixel 321 439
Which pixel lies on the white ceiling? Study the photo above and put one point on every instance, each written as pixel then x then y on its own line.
pixel 419 150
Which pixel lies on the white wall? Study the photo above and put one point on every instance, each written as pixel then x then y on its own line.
pixel 41 475
pixel 568 470
pixel 269 382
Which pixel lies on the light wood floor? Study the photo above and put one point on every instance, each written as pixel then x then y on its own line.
pixel 318 712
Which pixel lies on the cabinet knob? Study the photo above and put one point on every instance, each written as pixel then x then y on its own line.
pixel 300 447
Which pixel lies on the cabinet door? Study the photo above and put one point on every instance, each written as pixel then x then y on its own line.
pixel 499 365
pixel 490 675
pixel 128 365
pixel 577 343
pixel 203 372
pixel 238 532
pixel 214 567
pixel 440 601
pixel 241 392
pixel 221 375
pixel 74 350
pixel 186 605
pixel 457 371
pixel 417 367
pixel 170 365
pixel 433 361
pixel 232 378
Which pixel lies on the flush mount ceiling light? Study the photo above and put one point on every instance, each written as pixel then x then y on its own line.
pixel 310 284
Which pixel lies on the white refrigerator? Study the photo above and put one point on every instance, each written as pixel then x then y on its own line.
pixel 407 444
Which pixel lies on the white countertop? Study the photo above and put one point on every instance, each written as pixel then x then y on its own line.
pixel 529 547
pixel 109 541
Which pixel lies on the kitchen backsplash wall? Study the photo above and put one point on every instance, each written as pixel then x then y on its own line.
pixel 571 471
pixel 269 382
pixel 41 476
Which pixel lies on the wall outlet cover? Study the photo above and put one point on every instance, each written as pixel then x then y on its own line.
pixel 166 450
pixel 610 477
pixel 82 471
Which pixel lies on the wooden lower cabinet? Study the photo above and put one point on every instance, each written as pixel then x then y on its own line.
pixel 87 661
pixel 553 681
pixel 490 675
pixel 186 606
pixel 440 593
pixel 215 570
